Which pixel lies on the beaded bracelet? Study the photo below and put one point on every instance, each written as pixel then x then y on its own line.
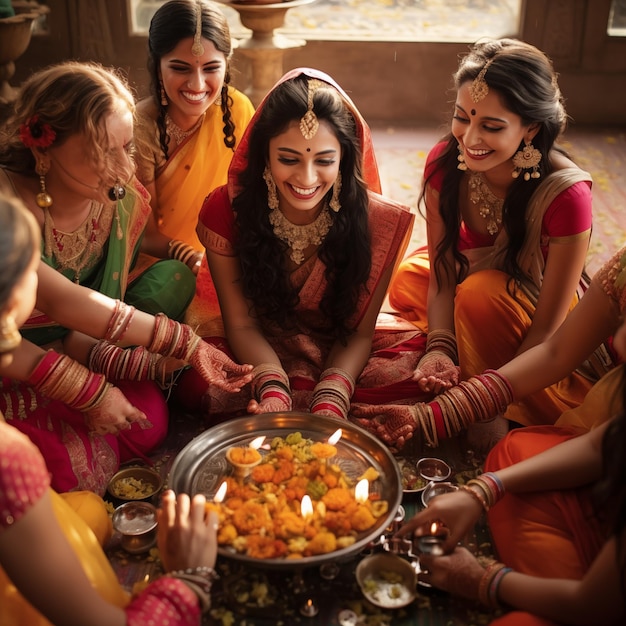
pixel 476 496
pixel 199 580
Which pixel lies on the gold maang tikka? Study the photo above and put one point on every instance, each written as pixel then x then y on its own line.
pixel 479 88
pixel 309 122
pixel 197 49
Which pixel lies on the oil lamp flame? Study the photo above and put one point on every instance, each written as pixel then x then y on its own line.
pixel 362 491
pixel 255 444
pixel 434 527
pixel 221 493
pixel 306 507
pixel 335 437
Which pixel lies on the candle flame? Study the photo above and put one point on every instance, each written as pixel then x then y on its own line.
pixel 306 507
pixel 335 437
pixel 258 442
pixel 362 491
pixel 221 493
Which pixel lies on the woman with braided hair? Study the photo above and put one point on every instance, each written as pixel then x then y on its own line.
pixel 555 499
pixel 190 125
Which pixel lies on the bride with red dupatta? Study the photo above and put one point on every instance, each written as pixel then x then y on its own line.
pixel 301 246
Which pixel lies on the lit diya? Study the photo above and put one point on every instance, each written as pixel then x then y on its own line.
pixel 291 502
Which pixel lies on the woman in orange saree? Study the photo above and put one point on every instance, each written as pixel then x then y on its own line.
pixel 302 246
pixel 508 222
pixel 555 501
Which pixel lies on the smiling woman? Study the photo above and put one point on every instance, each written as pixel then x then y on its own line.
pixel 188 127
pixel 301 248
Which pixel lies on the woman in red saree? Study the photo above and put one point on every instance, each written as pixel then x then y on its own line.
pixel 301 247
pixel 52 566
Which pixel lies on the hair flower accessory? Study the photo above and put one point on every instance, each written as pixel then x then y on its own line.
pixel 36 134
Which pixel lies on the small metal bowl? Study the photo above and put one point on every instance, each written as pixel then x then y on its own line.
pixel 137 523
pixel 434 489
pixel 134 484
pixel 387 580
pixel 432 469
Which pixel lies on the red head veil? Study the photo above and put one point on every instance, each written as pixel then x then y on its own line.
pixel 370 167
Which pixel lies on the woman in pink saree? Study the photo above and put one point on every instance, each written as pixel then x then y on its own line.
pixel 301 246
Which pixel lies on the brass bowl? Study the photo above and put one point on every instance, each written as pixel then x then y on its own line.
pixel 136 522
pixel 136 483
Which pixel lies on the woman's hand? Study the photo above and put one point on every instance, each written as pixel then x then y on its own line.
pixel 436 372
pixel 458 511
pixel 218 369
pixel 186 532
pixel 459 572
pixel 268 405
pixel 113 414
pixel 395 424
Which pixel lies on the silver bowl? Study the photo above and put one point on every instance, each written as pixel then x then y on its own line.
pixel 201 466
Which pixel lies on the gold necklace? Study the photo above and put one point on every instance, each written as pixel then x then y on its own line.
pixel 297 237
pixel 489 205
pixel 176 132
pixel 74 251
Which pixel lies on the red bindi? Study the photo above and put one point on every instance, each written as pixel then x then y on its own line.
pixel 473 111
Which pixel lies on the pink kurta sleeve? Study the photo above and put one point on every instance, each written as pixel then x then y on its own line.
pixel 24 477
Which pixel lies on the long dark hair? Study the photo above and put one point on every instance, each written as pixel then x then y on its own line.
pixel 346 249
pixel 176 20
pixel 525 79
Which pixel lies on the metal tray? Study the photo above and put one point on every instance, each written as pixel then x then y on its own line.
pixel 201 466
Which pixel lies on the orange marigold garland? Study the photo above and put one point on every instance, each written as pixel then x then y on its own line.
pixel 37 134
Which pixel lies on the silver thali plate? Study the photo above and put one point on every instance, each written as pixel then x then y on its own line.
pixel 201 466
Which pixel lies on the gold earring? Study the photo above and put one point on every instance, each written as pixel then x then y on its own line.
pixel 527 159
pixel 461 159
pixel 164 100
pixel 43 198
pixel 334 203
pixel 272 193
pixel 10 336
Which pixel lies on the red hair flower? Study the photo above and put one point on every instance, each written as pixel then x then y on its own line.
pixel 36 134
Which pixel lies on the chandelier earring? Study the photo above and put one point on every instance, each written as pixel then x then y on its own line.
pixel 272 192
pixel 334 203
pixel 164 100
pixel 528 158
pixel 43 198
pixel 10 336
pixel 461 159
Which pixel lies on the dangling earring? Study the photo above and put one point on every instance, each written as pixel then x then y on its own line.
pixel 272 193
pixel 527 158
pixel 334 203
pixel 461 159
pixel 43 198
pixel 10 336
pixel 164 100
pixel 117 192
